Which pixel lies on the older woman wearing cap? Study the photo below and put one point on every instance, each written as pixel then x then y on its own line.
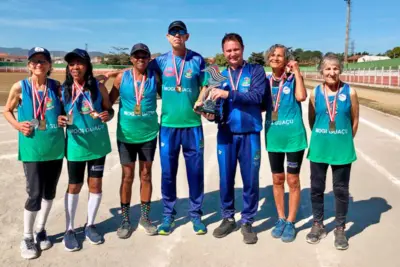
pixel 87 108
pixel 137 131
pixel 333 115
pixel 40 146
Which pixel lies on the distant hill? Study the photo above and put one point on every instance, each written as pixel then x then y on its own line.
pixel 17 51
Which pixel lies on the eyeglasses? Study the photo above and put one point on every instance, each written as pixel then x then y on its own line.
pixel 38 61
pixel 174 32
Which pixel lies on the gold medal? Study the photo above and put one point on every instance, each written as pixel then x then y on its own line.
pixel 138 110
pixel 70 119
pixel 178 88
pixel 42 125
pixel 274 116
pixel 94 114
pixel 332 126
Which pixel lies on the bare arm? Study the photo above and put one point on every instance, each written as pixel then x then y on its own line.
pixel 355 110
pixel 311 110
pixel 115 73
pixel 114 94
pixel 300 91
pixel 14 98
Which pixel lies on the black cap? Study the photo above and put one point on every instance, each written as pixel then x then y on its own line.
pixel 140 47
pixel 177 24
pixel 39 50
pixel 80 53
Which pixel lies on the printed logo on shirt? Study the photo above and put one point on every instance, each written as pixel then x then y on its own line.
pixel 246 81
pixel 169 72
pixel 342 97
pixel 286 90
pixel 49 103
pixel 189 74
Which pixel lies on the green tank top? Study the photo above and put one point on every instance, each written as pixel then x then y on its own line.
pixel 41 145
pixel 287 134
pixel 136 129
pixel 332 147
pixel 87 138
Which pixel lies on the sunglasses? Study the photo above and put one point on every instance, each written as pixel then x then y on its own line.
pixel 174 32
pixel 141 56
pixel 38 61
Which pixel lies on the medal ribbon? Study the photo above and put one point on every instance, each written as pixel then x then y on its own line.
pixel 79 88
pixel 235 87
pixel 179 77
pixel 41 109
pixel 278 96
pixel 331 113
pixel 139 93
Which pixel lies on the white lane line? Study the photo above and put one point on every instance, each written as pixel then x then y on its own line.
pixel 8 142
pixel 380 129
pixel 378 167
pixel 8 156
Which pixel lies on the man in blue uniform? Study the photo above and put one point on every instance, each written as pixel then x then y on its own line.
pixel 182 82
pixel 239 136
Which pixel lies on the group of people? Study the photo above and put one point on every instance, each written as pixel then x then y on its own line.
pixel 83 105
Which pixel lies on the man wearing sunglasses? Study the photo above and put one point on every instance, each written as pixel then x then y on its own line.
pixel 137 131
pixel 182 82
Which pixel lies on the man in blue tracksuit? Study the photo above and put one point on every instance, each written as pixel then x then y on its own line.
pixel 239 136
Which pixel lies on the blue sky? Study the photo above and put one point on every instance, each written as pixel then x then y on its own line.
pixel 308 24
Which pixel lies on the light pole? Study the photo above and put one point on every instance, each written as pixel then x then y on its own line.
pixel 346 45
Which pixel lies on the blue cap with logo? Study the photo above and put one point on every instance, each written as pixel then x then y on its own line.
pixel 39 50
pixel 77 53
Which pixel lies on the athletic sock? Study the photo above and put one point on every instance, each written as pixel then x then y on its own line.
pixel 29 220
pixel 145 210
pixel 125 212
pixel 93 206
pixel 43 214
pixel 71 203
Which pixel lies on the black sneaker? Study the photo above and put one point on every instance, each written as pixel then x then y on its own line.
pixel 227 226
pixel 316 234
pixel 249 236
pixel 341 242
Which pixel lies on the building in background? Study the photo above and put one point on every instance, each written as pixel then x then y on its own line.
pixel 371 58
pixel 11 58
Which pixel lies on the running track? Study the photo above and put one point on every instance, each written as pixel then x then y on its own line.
pixel 372 221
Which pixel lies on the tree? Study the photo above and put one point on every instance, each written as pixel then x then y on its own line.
pixel 394 53
pixel 257 58
pixel 117 57
pixel 220 60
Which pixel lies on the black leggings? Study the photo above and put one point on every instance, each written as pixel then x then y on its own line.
pixel 41 182
pixel 294 160
pixel 341 179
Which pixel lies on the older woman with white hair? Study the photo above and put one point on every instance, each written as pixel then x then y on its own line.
pixel 333 116
pixel 285 136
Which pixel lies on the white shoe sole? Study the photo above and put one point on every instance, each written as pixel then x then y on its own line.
pixel 147 233
pixel 94 243
pixel 70 250
pixel 321 237
pixel 30 257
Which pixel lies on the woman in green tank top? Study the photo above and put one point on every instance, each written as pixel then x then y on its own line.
pixel 87 109
pixel 40 145
pixel 333 116
pixel 285 136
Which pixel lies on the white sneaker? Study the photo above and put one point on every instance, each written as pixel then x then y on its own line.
pixel 28 249
pixel 42 240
